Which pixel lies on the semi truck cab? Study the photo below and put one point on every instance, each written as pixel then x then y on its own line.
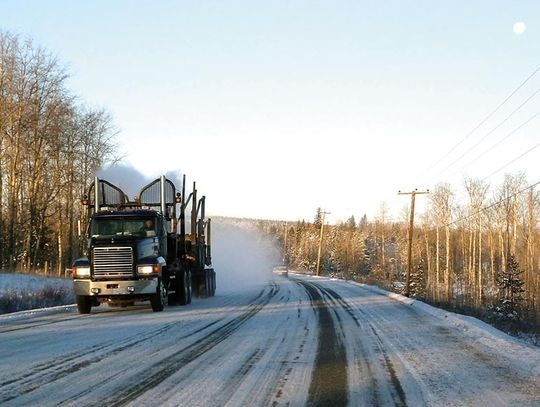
pixel 127 251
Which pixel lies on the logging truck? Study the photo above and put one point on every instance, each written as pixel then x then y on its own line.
pixel 139 250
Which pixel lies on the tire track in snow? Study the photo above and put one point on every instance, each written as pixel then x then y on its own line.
pixel 33 324
pixel 329 380
pixel 234 382
pixel 50 371
pixel 251 367
pixel 287 366
pixel 153 375
pixel 398 394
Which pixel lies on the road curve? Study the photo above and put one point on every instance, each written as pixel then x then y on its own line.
pixel 300 341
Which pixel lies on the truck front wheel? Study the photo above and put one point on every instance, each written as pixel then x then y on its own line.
pixel 157 300
pixel 84 304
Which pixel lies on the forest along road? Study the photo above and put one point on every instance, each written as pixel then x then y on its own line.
pixel 292 341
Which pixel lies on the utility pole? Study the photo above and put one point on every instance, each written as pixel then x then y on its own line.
pixel 320 243
pixel 285 257
pixel 409 250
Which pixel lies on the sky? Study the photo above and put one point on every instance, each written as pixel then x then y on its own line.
pixel 276 108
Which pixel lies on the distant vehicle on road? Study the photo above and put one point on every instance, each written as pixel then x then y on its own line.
pixel 281 271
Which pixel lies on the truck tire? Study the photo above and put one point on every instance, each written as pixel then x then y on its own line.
pixel 171 299
pixel 171 295
pixel 210 283
pixel 157 300
pixel 84 304
pixel 189 287
pixel 184 287
pixel 213 292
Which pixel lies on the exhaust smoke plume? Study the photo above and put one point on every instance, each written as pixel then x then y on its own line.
pixel 130 180
pixel 242 256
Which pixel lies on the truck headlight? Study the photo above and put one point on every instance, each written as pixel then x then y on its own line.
pixel 148 269
pixel 81 272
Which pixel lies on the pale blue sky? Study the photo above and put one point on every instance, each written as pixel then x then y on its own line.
pixel 279 107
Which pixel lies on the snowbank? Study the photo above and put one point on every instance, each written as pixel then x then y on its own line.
pixel 19 292
pixel 524 354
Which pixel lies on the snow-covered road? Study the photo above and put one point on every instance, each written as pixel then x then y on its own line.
pixel 297 341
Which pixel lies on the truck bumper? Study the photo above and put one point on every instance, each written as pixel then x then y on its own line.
pixel 108 288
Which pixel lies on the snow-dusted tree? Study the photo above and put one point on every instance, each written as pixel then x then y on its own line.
pixel 363 223
pixel 380 236
pixel 366 258
pixel 418 281
pixel 441 204
pixel 318 218
pixel 351 222
pixel 50 147
pixel 477 191
pixel 510 292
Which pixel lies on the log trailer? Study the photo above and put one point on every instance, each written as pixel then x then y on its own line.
pixel 139 250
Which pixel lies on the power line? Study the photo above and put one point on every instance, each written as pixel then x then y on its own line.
pixel 499 142
pixel 483 120
pixel 492 131
pixel 494 204
pixel 506 165
pixel 512 161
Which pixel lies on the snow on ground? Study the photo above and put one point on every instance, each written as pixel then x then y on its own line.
pixel 287 342
pixel 239 348
pixel 441 357
pixel 525 356
pixel 20 292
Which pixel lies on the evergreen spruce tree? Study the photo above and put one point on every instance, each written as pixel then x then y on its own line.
pixel 318 218
pixel 362 225
pixel 366 257
pixel 510 292
pixel 418 281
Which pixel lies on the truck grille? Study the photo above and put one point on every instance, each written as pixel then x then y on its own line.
pixel 113 261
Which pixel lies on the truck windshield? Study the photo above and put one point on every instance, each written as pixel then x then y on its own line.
pixel 122 226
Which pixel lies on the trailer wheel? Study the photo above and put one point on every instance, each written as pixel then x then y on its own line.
pixel 209 283
pixel 189 287
pixel 157 300
pixel 84 304
pixel 213 292
pixel 171 299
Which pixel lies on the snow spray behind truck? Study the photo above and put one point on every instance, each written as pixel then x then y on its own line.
pixel 139 250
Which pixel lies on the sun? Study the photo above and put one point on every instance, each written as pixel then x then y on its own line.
pixel 519 27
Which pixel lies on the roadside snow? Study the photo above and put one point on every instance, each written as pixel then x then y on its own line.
pixel 525 355
pixel 19 292
pixel 261 346
pixel 30 282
